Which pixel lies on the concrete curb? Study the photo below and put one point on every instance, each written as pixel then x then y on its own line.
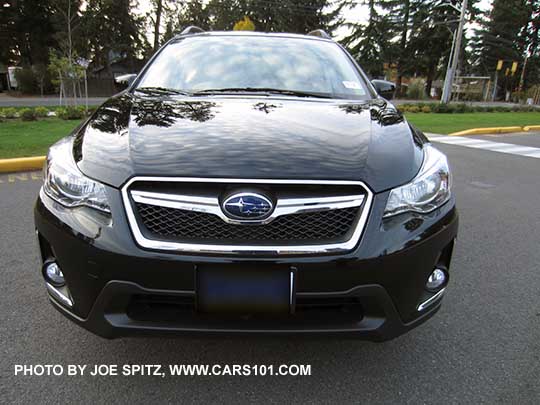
pixel 532 128
pixel 21 164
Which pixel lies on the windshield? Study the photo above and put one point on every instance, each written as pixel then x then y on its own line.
pixel 233 63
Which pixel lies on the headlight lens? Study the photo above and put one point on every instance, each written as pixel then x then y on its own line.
pixel 64 182
pixel 429 190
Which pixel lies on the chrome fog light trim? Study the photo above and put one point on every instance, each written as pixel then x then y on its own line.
pixel 431 300
pixel 59 295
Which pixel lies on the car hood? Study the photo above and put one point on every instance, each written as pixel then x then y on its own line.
pixel 250 138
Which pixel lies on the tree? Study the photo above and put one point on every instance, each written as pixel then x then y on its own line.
pixel 114 32
pixel 370 43
pixel 504 36
pixel 161 9
pixel 530 74
pixel 411 37
pixel 8 34
pixel 29 31
pixel 158 10
pixel 299 16
pixel 66 17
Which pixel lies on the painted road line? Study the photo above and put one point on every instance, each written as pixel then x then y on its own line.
pixel 20 177
pixel 509 148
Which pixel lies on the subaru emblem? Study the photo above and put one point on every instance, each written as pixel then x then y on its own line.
pixel 247 206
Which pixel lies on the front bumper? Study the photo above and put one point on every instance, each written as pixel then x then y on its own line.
pixel 119 289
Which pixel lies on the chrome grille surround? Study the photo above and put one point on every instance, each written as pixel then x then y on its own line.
pixel 212 206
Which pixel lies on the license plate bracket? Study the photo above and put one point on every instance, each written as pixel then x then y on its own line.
pixel 252 289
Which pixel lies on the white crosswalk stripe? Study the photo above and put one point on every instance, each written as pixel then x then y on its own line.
pixel 510 148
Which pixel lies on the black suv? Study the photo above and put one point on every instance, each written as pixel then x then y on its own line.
pixel 247 183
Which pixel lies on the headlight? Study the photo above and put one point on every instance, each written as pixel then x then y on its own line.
pixel 429 190
pixel 64 182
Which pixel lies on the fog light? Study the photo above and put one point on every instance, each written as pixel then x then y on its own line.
pixel 436 280
pixel 54 275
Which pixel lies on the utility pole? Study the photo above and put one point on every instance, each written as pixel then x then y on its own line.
pixel 454 56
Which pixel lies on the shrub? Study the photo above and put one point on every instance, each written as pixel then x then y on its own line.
pixel 61 113
pixel 9 112
pixel 440 108
pixel 416 90
pixel 460 108
pixel 26 81
pixel 41 112
pixel 70 113
pixel 28 114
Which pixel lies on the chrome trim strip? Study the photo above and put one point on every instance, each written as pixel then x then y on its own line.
pixel 59 295
pixel 431 300
pixel 192 199
pixel 243 249
pixel 210 205
pixel 291 288
pixel 285 202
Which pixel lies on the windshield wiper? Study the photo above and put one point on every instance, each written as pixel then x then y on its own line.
pixel 161 91
pixel 261 90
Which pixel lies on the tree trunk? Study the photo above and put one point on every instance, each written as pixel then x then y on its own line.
pixel 157 23
pixel 109 71
pixel 403 44
pixel 429 80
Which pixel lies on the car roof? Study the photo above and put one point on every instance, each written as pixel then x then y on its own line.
pixel 252 34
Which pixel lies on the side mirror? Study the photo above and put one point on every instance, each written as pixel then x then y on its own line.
pixel 384 88
pixel 124 81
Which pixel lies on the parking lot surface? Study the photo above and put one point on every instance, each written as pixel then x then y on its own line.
pixel 482 347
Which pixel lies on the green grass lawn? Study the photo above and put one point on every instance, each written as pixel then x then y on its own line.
pixel 448 123
pixel 19 138
pixel 33 138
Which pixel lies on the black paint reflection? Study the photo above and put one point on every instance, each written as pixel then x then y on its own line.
pixel 113 116
pixel 354 108
pixel 235 137
pixel 413 224
pixel 386 116
pixel 266 107
pixel 164 113
pixel 381 112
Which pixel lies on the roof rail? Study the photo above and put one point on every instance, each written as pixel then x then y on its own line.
pixel 319 33
pixel 192 29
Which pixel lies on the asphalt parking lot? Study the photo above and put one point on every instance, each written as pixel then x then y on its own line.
pixel 482 347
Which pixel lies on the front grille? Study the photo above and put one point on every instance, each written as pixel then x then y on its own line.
pixel 187 215
pixel 189 226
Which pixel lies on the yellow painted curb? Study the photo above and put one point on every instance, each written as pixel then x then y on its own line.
pixel 21 164
pixel 484 131
pixel 532 128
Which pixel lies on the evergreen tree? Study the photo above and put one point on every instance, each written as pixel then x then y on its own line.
pixel 371 43
pixel 297 16
pixel 29 31
pixel 504 34
pixel 114 32
pixel 8 35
